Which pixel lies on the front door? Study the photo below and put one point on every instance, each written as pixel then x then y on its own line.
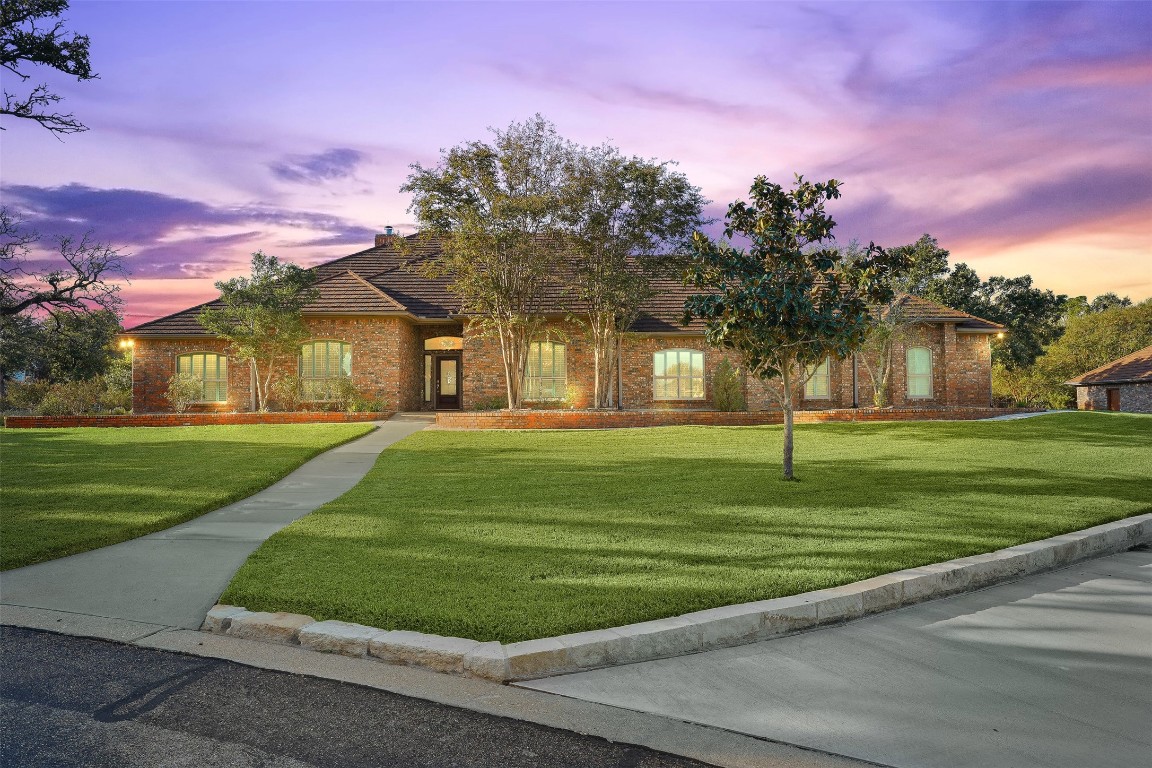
pixel 1113 399
pixel 446 391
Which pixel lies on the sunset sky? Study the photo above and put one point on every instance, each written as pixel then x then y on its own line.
pixel 1020 135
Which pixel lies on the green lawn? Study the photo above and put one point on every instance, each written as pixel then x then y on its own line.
pixel 64 491
pixel 516 535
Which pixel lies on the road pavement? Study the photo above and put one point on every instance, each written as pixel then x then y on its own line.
pixel 69 701
pixel 1052 671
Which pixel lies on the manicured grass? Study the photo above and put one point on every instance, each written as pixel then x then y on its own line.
pixel 516 535
pixel 64 491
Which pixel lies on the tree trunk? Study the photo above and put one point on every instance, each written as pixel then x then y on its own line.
pixel 786 403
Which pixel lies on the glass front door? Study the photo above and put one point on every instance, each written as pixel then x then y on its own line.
pixel 447 385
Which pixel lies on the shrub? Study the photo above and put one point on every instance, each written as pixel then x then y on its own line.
pixel 288 394
pixel 183 390
pixel 492 403
pixel 728 388
pixel 72 398
pixel 25 395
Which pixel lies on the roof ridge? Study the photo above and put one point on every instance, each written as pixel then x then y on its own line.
pixel 377 289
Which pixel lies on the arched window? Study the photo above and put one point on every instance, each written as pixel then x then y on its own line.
pixel 919 372
pixel 322 365
pixel 819 384
pixel 678 374
pixel 212 371
pixel 546 374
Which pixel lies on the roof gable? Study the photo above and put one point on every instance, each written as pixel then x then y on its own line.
pixel 1133 368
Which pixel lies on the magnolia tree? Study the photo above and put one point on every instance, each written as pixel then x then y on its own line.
pixel 495 208
pixel 261 318
pixel 787 300
pixel 890 329
pixel 623 216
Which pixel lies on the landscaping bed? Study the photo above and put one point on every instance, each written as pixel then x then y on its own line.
pixel 511 536
pixel 65 491
pixel 656 417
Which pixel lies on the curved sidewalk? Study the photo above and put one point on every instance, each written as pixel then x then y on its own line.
pixel 171 578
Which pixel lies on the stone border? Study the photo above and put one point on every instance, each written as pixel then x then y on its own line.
pixel 691 633
pixel 650 417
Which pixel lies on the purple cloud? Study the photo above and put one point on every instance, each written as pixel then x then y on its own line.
pixel 167 235
pixel 332 165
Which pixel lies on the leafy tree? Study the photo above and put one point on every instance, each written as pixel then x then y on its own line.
pixel 1034 316
pixel 889 329
pixel 261 317
pixel 496 210
pixel 1079 305
pixel 25 40
pixel 74 347
pixel 728 388
pixel 622 214
pixel 782 304
pixel 927 263
pixel 1093 339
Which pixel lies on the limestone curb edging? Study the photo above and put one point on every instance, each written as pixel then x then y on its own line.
pixel 680 635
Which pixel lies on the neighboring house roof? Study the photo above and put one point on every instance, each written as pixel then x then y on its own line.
pixel 1130 369
pixel 388 279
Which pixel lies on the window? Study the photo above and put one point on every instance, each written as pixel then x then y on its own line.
pixel 427 378
pixel 322 364
pixel 919 372
pixel 678 374
pixel 212 371
pixel 819 384
pixel 546 375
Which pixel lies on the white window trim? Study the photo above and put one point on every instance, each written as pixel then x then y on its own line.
pixel 315 380
pixel 931 375
pixel 678 379
pixel 561 380
pixel 204 381
pixel 827 377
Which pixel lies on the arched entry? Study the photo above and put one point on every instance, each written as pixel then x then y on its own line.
pixel 443 369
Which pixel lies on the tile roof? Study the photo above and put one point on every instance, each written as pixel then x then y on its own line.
pixel 1133 368
pixel 349 292
pixel 387 278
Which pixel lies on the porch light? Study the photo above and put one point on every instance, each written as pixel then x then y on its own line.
pixel 127 343
pixel 1000 335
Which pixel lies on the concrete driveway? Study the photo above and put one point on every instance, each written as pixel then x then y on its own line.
pixel 1052 670
pixel 171 578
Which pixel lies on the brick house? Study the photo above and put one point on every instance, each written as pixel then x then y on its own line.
pixel 401 338
pixel 1121 385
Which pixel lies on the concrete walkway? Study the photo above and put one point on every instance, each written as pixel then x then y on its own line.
pixel 1015 416
pixel 171 578
pixel 1052 670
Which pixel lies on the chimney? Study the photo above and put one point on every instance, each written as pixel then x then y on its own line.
pixel 383 239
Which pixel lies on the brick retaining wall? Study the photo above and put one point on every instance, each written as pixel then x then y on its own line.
pixel 559 419
pixel 187 419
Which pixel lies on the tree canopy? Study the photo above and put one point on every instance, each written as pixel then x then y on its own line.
pixel 623 218
pixel 261 317
pixel 788 300
pixel 31 35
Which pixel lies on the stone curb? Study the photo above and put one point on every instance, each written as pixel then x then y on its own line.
pixel 691 633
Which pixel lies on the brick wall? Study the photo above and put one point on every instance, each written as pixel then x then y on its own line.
pixel 1134 398
pixel 187 419
pixel 386 363
pixel 575 419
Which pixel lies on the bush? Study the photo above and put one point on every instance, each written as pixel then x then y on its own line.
pixel 287 394
pixel 493 403
pixel 183 390
pixel 25 395
pixel 73 398
pixel 1029 388
pixel 728 388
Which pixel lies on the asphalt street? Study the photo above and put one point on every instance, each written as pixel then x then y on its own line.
pixel 68 701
